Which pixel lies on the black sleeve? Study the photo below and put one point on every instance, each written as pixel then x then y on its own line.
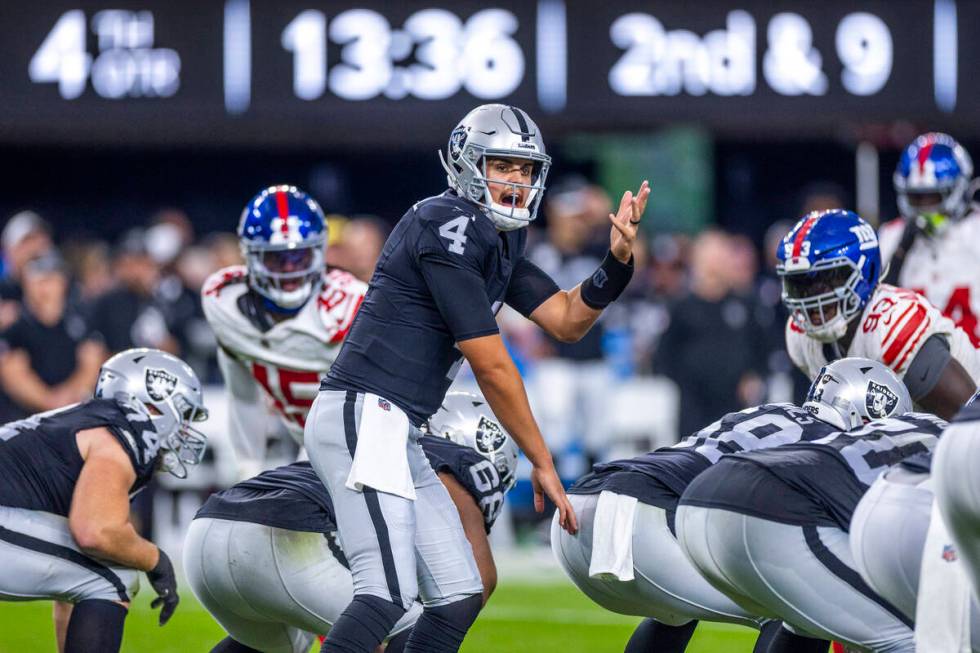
pixel 14 338
pixel 461 297
pixel 529 287
pixel 925 369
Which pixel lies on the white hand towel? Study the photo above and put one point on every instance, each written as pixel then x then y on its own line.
pixel 612 537
pixel 381 456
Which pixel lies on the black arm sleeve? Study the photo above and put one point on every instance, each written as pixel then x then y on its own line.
pixel 925 369
pixel 529 287
pixel 461 298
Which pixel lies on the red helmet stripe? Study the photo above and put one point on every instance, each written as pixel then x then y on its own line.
pixel 282 205
pixel 801 234
pixel 923 155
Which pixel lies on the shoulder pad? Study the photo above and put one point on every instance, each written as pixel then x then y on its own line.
pixel 224 278
pixel 894 325
pixel 444 207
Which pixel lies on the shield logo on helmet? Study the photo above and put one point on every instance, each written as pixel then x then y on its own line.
pixel 160 384
pixel 456 142
pixel 489 436
pixel 880 400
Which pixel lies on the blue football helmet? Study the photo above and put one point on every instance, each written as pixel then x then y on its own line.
pixel 830 266
pixel 282 232
pixel 932 181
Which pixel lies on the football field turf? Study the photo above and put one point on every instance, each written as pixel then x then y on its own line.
pixel 550 616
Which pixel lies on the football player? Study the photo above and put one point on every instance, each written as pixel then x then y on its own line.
pixel 447 267
pixel 625 556
pixel 68 477
pixel 769 528
pixel 931 248
pixel 257 559
pixel 279 319
pixel 830 268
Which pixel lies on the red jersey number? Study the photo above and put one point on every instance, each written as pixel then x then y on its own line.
pixel 959 310
pixel 292 391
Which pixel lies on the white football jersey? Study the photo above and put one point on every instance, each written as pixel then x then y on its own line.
pixel 285 359
pixel 892 328
pixel 945 268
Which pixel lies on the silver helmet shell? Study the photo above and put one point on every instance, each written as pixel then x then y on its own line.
pixel 851 392
pixel 496 131
pixel 172 390
pixel 466 419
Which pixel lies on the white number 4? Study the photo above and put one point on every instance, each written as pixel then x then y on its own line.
pixel 453 232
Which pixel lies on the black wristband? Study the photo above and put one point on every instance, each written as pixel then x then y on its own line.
pixel 607 283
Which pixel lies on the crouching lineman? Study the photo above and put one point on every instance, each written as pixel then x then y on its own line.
pixel 279 319
pixel 769 528
pixel 257 558
pixel 830 266
pixel 907 558
pixel 68 476
pixel 625 556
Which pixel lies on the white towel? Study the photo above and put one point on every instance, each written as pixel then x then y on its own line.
pixel 612 537
pixel 381 456
pixel 942 610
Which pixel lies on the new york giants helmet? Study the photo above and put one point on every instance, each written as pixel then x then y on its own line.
pixel 830 266
pixel 171 390
pixel 282 232
pixel 932 181
pixel 496 131
pixel 466 419
pixel 851 392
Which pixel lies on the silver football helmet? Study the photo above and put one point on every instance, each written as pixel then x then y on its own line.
pixel 171 391
pixel 466 419
pixel 851 392
pixel 496 131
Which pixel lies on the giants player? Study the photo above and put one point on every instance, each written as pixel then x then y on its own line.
pixel 770 528
pixel 280 319
pixel 932 247
pixel 830 266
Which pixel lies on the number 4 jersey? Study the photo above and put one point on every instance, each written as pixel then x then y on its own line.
pixel 892 328
pixel 282 360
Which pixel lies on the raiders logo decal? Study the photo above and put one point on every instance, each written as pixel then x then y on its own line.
pixel 880 401
pixel 456 142
pixel 489 436
pixel 160 384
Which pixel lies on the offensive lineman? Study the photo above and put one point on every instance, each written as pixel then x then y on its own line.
pixel 450 263
pixel 769 528
pixel 830 266
pixel 625 556
pixel 68 477
pixel 932 247
pixel 279 320
pixel 257 559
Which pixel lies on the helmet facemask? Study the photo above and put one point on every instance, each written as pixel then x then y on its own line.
pixel 182 445
pixel 827 291
pixel 286 276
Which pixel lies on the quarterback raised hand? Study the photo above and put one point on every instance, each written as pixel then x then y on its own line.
pixel 626 222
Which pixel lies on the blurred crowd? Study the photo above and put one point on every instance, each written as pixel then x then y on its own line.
pixel 703 311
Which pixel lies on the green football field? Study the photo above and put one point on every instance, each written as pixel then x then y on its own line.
pixel 521 618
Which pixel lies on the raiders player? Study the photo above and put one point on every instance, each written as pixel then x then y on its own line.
pixel 257 559
pixel 279 319
pixel 769 528
pixel 830 267
pixel 626 508
pixel 68 476
pixel 450 263
pixel 932 247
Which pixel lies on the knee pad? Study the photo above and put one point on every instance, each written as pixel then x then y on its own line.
pixel 441 629
pixel 363 625
pixel 96 626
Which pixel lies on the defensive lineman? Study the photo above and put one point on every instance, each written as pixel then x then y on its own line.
pixel 830 266
pixel 770 528
pixel 451 261
pixel 932 247
pixel 625 556
pixel 279 320
pixel 257 559
pixel 68 476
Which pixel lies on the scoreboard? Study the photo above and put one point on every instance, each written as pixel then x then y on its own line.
pixel 313 73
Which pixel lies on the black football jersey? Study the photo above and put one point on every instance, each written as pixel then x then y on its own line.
pixel 660 477
pixel 39 458
pixel 816 483
pixel 444 272
pixel 294 498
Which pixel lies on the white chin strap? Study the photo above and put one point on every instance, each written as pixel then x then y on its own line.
pixel 290 298
pixel 508 218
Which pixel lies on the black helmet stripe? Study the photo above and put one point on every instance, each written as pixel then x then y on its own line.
pixel 522 123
